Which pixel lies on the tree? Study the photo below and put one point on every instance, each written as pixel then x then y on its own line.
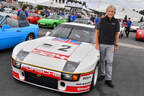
pixel 141 20
pixel 141 12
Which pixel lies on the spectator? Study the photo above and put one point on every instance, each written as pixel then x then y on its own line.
pixel 128 23
pixel 36 11
pixel 98 18
pixel 22 17
pixel 92 18
pixel 69 17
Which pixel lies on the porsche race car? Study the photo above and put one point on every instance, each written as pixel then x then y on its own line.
pixel 65 61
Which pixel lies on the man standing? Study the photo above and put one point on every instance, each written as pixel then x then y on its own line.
pixel 128 27
pixel 22 17
pixel 107 37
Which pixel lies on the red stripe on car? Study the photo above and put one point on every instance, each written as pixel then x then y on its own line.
pixel 50 54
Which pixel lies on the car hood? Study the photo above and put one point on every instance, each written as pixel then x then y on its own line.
pixel 54 53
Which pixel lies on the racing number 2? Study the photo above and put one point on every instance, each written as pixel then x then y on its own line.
pixel 65 48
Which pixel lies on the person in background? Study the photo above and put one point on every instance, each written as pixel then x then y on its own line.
pixel 36 10
pixel 107 37
pixel 69 17
pixel 92 18
pixel 128 27
pixel 98 18
pixel 22 17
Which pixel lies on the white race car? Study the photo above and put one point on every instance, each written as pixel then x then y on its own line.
pixel 65 61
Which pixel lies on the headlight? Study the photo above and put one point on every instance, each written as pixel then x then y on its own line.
pixel 70 77
pixel 140 32
pixel 16 64
pixel 70 66
pixel 21 55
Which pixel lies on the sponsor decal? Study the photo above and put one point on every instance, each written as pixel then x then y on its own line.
pixel 78 88
pixel 87 74
pixel 87 77
pixel 86 83
pixel 86 88
pixel 41 72
pixel 16 75
pixel 75 42
pixel 50 54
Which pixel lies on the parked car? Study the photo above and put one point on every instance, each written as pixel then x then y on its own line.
pixel 140 33
pixel 65 61
pixel 52 21
pixel 84 21
pixel 11 34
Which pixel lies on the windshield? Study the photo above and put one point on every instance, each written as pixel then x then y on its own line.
pixel 53 17
pixel 83 34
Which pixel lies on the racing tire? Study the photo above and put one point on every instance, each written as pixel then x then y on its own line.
pixel 136 39
pixel 54 25
pixel 30 37
pixel 94 79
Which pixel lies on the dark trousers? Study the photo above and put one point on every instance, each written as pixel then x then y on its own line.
pixel 127 31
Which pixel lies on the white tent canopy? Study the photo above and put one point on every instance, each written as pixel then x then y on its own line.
pixel 34 1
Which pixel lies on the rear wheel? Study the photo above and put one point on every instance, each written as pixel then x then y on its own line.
pixel 30 37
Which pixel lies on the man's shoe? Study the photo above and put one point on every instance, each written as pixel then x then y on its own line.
pixel 100 78
pixel 109 83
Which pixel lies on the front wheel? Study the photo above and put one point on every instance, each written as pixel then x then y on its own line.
pixel 30 37
pixel 94 79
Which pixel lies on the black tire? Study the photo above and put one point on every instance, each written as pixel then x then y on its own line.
pixel 54 25
pixel 94 79
pixel 30 37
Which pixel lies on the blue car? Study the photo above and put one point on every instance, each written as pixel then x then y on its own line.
pixel 11 34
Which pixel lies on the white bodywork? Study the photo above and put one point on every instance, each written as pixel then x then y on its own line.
pixel 44 57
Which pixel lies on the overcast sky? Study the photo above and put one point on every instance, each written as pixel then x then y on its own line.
pixel 132 4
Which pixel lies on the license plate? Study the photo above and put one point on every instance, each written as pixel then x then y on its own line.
pixel 42 23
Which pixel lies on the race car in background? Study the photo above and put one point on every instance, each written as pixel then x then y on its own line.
pixel 52 21
pixel 11 34
pixel 65 61
pixel 140 33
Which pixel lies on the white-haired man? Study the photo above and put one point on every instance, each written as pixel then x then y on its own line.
pixel 107 37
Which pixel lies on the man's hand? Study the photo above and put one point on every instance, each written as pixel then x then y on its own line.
pixel 115 48
pixel 97 46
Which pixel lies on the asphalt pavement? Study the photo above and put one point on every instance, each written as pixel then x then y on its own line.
pixel 128 74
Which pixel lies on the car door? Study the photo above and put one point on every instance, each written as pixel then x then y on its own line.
pixel 9 37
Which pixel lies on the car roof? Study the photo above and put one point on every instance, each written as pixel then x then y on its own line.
pixel 79 24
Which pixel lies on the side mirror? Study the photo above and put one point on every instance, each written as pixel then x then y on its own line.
pixel 5 26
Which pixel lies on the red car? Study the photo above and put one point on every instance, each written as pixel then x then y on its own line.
pixel 140 33
pixel 33 18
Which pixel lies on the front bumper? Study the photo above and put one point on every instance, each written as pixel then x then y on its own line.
pixel 51 79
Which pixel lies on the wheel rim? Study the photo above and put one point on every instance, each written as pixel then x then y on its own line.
pixel 30 37
pixel 96 75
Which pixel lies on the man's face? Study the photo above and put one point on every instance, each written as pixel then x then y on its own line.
pixel 110 12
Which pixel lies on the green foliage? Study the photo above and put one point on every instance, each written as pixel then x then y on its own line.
pixel 141 12
pixel 40 7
